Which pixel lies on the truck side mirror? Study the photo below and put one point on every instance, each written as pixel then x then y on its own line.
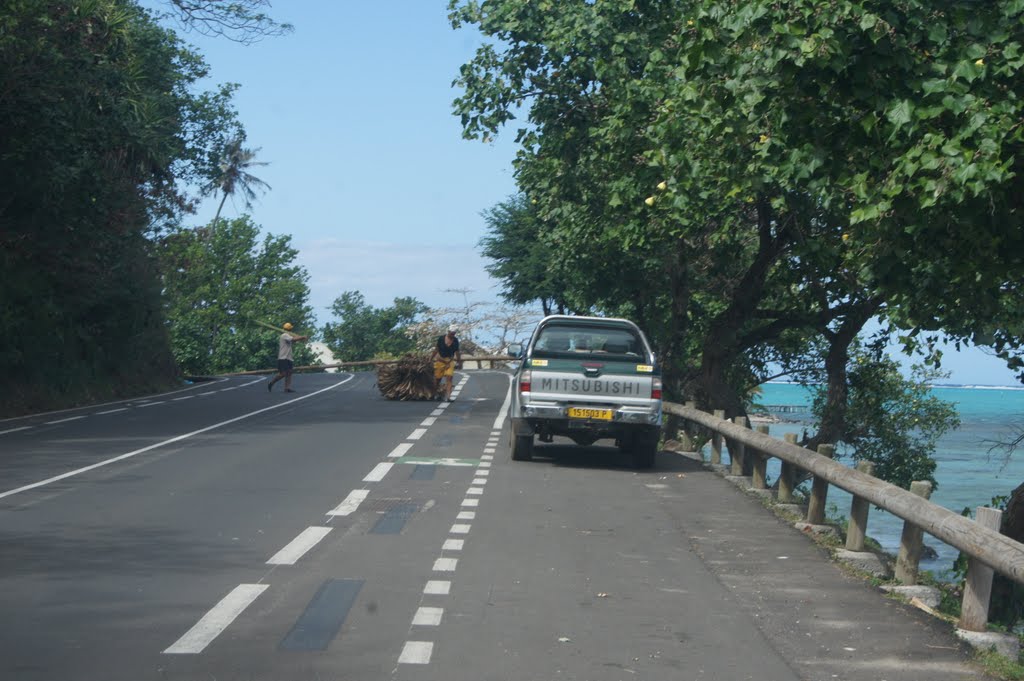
pixel 515 349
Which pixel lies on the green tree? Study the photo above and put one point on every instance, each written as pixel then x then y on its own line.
pixel 243 21
pixel 233 175
pixel 221 279
pixel 362 332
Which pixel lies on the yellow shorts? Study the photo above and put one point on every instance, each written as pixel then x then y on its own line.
pixel 444 367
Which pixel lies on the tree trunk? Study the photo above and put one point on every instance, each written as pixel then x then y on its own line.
pixel 1007 600
pixel 223 199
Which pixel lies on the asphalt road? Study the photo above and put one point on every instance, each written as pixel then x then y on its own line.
pixel 221 532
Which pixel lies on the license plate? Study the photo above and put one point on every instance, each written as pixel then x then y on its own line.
pixel 598 414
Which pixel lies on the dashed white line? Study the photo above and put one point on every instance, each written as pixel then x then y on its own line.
pixel 416 434
pixel 484 464
pixel 378 472
pixel 453 544
pixel 416 652
pixel 427 617
pixel 466 515
pixel 479 481
pixel 351 502
pixel 400 450
pixel 437 412
pixel 475 491
pixel 70 418
pixel 489 450
pixel 208 392
pixel 437 587
pixel 111 411
pixel 217 619
pixel 482 472
pixel 487 457
pixel 445 564
pixel 14 430
pixel 429 421
pixel 295 549
pixel 460 529
pixel 186 397
pixel 150 404
pixel 470 503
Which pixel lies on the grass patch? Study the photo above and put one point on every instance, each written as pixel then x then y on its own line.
pixel 1000 667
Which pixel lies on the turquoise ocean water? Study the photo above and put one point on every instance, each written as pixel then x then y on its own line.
pixel 968 473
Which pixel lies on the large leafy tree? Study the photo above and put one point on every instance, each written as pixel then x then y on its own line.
pixel 362 331
pixel 219 281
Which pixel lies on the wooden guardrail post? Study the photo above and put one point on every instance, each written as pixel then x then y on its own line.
pixel 685 439
pixel 857 529
pixel 978 587
pixel 819 491
pixel 759 479
pixel 787 475
pixel 716 440
pixel 738 450
pixel 912 540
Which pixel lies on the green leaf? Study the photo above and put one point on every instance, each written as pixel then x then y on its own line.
pixel 900 113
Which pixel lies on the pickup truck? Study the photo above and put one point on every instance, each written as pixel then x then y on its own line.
pixel 586 378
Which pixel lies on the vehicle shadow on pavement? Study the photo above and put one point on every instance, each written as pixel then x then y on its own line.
pixel 569 455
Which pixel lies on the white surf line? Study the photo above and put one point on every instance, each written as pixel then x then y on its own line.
pixel 70 418
pixel 400 451
pixel 14 430
pixel 429 421
pixel 350 503
pixel 378 472
pixel 298 547
pixel 111 411
pixel 445 564
pixel 437 587
pixel 416 434
pixel 427 617
pixel 499 422
pixel 453 544
pixel 157 445
pixel 216 620
pixel 416 652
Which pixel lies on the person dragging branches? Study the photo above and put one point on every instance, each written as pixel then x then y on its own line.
pixel 285 359
pixel 447 359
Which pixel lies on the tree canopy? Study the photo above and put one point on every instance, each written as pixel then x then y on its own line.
pixel 362 331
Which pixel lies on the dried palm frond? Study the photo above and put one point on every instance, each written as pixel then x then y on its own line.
pixel 410 378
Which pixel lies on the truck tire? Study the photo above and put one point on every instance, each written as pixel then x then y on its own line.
pixel 522 447
pixel 644 448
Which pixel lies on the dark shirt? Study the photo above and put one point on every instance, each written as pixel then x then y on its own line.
pixel 447 351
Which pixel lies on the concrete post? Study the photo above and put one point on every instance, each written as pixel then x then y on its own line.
pixel 787 476
pixel 716 440
pixel 819 491
pixel 859 507
pixel 737 450
pixel 978 587
pixel 912 540
pixel 759 478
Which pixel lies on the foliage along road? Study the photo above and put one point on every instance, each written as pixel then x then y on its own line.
pixel 227 532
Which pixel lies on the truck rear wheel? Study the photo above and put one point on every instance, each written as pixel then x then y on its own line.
pixel 522 447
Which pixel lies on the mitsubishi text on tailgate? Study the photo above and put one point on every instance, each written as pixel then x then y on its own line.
pixel 587 378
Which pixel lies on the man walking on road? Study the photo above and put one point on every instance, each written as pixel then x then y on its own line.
pixel 446 358
pixel 285 361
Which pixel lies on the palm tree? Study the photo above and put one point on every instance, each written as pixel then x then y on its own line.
pixel 234 176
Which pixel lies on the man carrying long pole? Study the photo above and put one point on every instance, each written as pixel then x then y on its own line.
pixel 285 359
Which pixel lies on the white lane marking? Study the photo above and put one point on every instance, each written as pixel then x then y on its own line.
pixel 427 617
pixel 453 544
pixel 429 421
pixel 460 529
pixel 470 503
pixel 70 418
pixel 466 515
pixel 496 433
pixel 437 412
pixel 482 472
pixel 14 430
pixel 475 491
pixel 351 502
pixel 378 472
pixel 208 392
pixel 499 422
pixel 416 652
pixel 479 481
pixel 487 457
pixel 224 390
pixel 484 464
pixel 442 406
pixel 445 564
pixel 400 450
pixel 179 438
pixel 416 434
pixel 493 442
pixel 438 587
pixel 111 411
pixel 489 450
pixel 151 404
pixel 217 619
pixel 186 397
pixel 297 547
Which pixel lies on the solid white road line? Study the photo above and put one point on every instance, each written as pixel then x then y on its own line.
pixel 111 411
pixel 499 422
pixel 378 472
pixel 179 438
pixel 416 434
pixel 14 430
pixel 400 450
pixel 70 418
pixel 186 397
pixel 438 587
pixel 217 619
pixel 416 652
pixel 453 544
pixel 445 564
pixel 351 502
pixel 429 421
pixel 460 529
pixel 291 553
pixel 427 617
pixel 466 515
pixel 208 392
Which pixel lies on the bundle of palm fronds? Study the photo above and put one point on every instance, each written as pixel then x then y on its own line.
pixel 410 378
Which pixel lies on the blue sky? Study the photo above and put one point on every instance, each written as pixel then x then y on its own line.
pixel 368 169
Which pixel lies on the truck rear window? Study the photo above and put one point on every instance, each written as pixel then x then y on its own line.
pixel 573 341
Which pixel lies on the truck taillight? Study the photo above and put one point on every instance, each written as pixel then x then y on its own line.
pixel 655 388
pixel 524 381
